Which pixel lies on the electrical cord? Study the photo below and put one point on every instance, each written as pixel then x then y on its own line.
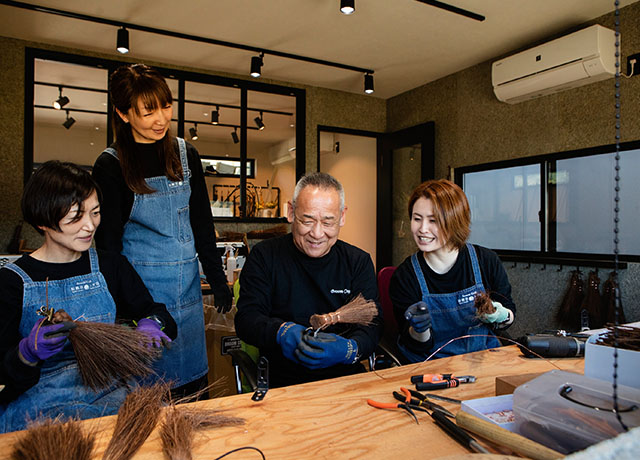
pixel 242 448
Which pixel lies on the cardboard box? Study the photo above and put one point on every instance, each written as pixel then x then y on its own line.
pixel 220 335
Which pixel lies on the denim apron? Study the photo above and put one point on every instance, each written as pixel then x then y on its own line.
pixel 60 390
pixel 158 241
pixel 454 315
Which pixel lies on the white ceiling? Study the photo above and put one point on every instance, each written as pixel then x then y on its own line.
pixel 406 43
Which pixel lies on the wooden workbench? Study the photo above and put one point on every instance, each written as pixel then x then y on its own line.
pixel 330 419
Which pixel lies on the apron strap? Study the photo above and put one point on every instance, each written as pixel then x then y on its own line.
pixel 418 271
pixel 477 276
pixel 111 151
pixel 182 148
pixel 20 272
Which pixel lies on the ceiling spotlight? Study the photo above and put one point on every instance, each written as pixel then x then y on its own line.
pixel 368 83
pixel 193 132
pixel 61 101
pixel 122 43
pixel 259 122
pixel 256 65
pixel 234 136
pixel 68 123
pixel 347 6
pixel 215 116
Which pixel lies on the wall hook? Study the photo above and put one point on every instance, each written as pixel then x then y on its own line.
pixel 515 264
pixel 560 268
pixel 528 266
pixel 544 267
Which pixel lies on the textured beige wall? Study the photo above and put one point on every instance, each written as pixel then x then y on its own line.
pixel 473 127
pixel 323 106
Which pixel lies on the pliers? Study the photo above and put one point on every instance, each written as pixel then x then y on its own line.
pixel 420 402
pixel 401 405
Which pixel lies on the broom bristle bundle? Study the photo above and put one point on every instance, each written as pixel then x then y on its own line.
pixel 108 352
pixel 137 417
pixel 483 304
pixel 50 439
pixel 357 311
pixel 180 424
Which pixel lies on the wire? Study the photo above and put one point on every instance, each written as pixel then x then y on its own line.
pixel 239 449
pixel 633 63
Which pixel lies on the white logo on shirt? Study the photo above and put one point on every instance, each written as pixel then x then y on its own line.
pixel 340 291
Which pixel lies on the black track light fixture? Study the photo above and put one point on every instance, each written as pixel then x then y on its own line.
pixel 234 136
pixel 68 123
pixel 368 83
pixel 215 115
pixel 61 101
pixel 122 43
pixel 259 122
pixel 347 6
pixel 193 132
pixel 256 65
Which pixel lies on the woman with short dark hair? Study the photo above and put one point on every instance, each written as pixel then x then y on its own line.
pixel 157 213
pixel 38 369
pixel 434 290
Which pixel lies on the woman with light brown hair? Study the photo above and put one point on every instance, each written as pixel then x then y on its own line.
pixel 434 290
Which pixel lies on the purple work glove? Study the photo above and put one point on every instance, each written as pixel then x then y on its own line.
pixel 325 350
pixel 288 337
pixel 45 341
pixel 153 330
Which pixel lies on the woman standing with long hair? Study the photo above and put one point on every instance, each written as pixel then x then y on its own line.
pixel 157 213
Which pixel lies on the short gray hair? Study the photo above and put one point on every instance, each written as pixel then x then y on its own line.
pixel 321 180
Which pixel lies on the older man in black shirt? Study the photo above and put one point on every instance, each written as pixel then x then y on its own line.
pixel 287 279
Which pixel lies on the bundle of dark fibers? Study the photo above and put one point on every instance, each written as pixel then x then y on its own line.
pixel 592 302
pixel 181 423
pixel 569 312
pixel 137 417
pixel 357 311
pixel 49 439
pixel 609 302
pixel 108 352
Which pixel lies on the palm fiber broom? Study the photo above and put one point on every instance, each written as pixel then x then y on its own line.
pixel 137 417
pixel 180 425
pixel 108 352
pixel 53 439
pixel 357 311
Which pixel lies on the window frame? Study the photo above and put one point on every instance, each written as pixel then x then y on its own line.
pixel 31 54
pixel 548 229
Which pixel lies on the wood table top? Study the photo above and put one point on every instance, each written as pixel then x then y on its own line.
pixel 330 419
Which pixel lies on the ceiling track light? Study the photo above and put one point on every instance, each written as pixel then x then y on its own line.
pixel 215 115
pixel 234 136
pixel 347 6
pixel 68 123
pixel 256 65
pixel 193 132
pixel 61 101
pixel 368 83
pixel 122 43
pixel 259 122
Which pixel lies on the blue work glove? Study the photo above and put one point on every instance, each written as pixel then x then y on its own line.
pixel 326 350
pixel 222 297
pixel 288 337
pixel 418 317
pixel 45 341
pixel 499 316
pixel 153 330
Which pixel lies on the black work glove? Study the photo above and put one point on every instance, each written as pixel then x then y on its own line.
pixel 222 297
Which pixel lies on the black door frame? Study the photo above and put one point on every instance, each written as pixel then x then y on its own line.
pixel 423 134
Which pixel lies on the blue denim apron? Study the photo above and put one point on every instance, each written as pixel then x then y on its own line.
pixel 453 315
pixel 60 390
pixel 158 241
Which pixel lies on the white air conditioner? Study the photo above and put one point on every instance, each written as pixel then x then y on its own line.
pixel 574 60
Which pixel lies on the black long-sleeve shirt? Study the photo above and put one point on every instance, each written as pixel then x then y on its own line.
pixel 279 283
pixel 404 289
pixel 131 297
pixel 116 209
